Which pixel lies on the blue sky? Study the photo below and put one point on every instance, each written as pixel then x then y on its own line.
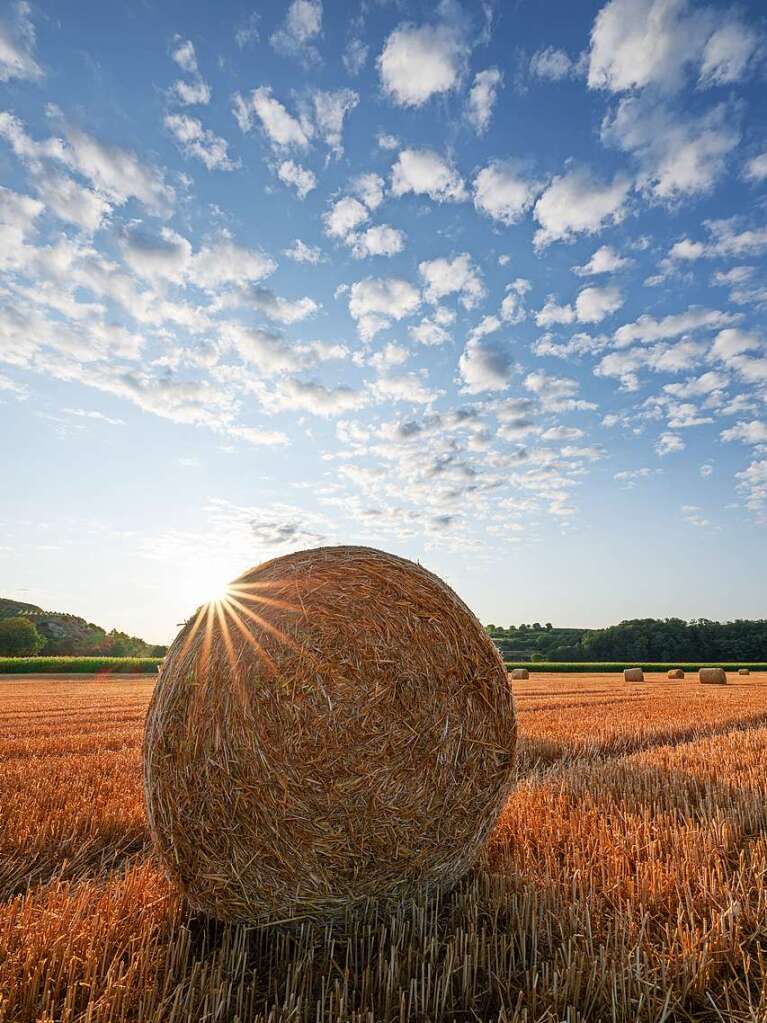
pixel 481 284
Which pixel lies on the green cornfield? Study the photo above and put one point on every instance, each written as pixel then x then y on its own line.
pixel 77 665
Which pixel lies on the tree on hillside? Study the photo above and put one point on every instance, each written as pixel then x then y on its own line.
pixel 19 638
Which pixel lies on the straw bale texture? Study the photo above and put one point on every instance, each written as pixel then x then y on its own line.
pixel 715 676
pixel 339 729
pixel 744 671
pixel 633 675
pixel 519 673
pixel 676 673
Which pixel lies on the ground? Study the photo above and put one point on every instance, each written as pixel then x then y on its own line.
pixel 625 880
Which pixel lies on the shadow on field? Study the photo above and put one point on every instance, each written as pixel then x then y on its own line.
pixel 22 872
pixel 534 754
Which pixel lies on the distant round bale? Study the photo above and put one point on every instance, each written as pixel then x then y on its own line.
pixel 676 673
pixel 633 675
pixel 338 729
pixel 744 671
pixel 713 676
pixel 519 673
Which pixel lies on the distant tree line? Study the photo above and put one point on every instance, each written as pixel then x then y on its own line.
pixel 637 639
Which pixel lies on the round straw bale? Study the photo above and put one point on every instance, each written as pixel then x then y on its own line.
pixel 744 671
pixel 633 675
pixel 519 673
pixel 339 728
pixel 676 673
pixel 714 676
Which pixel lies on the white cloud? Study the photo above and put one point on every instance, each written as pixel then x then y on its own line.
pixel 669 444
pixel 82 413
pixel 691 513
pixel 733 342
pixel 407 387
pixel 647 329
pixel 726 239
pixel 300 252
pixel 192 93
pixel 429 333
pixel 637 43
pixel 17 44
pixel 424 172
pixel 698 387
pixel 513 309
pixel 756 167
pixel 70 201
pixel 118 173
pixel 482 97
pixel 752 482
pixel 553 313
pixel 226 262
pixel 594 304
pixel 679 155
pixel 575 203
pixel 418 62
pixel 604 261
pixel 275 307
pixel 485 366
pixel 387 141
pixel 300 178
pixel 391 355
pixel 381 240
pixel 183 53
pixel 460 276
pixel 355 56
pixel 266 350
pixel 282 129
pixel 374 302
pixel 330 110
pixel 344 216
pixel 163 256
pixel 302 25
pixel 310 396
pixel 551 63
pixel 754 432
pixel 728 53
pixel 503 192
pixel 631 476
pixel 200 142
pixel 370 189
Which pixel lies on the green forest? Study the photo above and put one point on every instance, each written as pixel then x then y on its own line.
pixel 638 639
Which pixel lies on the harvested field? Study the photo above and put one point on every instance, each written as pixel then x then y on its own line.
pixel 624 882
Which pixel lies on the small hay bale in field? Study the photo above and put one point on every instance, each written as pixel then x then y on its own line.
pixel 633 675
pixel 676 673
pixel 744 671
pixel 339 728
pixel 713 676
pixel 519 673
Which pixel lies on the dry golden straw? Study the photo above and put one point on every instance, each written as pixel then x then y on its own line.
pixel 633 675
pixel 339 729
pixel 714 676
pixel 519 673
pixel 744 671
pixel 676 673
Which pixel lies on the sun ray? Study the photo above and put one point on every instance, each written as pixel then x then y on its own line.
pixel 264 624
pixel 250 638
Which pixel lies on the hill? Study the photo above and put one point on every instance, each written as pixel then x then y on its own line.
pixel 67 634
